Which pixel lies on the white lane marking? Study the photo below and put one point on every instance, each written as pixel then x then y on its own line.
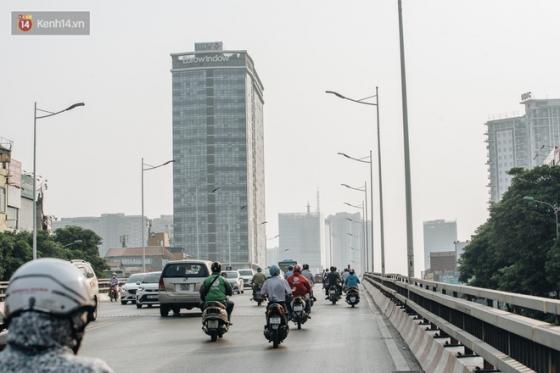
pixel 394 351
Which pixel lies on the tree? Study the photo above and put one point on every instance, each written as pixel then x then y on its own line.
pixel 81 244
pixel 66 243
pixel 515 250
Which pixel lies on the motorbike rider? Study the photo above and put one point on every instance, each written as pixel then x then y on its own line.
pixel 352 280
pixel 115 284
pixel 217 289
pixel 257 281
pixel 300 287
pixel 48 305
pixel 277 290
pixel 333 279
pixel 345 275
pixel 289 273
pixel 309 276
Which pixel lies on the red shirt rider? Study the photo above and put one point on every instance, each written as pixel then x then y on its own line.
pixel 299 284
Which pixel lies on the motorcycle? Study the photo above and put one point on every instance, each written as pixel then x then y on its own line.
pixel 113 294
pixel 299 313
pixel 276 328
pixel 257 296
pixel 333 294
pixel 352 297
pixel 215 320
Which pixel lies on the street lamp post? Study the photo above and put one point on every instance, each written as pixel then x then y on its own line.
pixel 364 230
pixel 364 160
pixel 408 189
pixel 35 117
pixel 555 208
pixel 146 167
pixel 366 256
pixel 379 168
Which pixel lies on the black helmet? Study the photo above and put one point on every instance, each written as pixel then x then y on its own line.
pixel 216 267
pixel 306 266
pixel 333 269
pixel 259 269
pixel 290 268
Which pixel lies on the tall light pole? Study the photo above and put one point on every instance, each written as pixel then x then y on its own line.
pixel 555 208
pixel 364 101
pixel 364 160
pixel 364 230
pixel 146 167
pixel 35 117
pixel 364 190
pixel 408 190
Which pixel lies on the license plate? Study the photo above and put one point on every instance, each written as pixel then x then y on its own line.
pixel 152 297
pixel 333 292
pixel 185 287
pixel 275 320
pixel 298 308
pixel 212 324
pixel 352 299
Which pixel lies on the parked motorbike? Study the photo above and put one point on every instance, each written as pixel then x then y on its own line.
pixel 215 320
pixel 113 294
pixel 276 328
pixel 257 296
pixel 334 296
pixel 299 313
pixel 353 296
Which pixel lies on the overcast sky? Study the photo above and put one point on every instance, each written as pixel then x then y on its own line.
pixel 467 61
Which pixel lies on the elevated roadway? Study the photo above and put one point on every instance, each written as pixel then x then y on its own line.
pixel 336 339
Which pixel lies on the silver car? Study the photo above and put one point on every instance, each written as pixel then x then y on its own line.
pixel 148 290
pixel 129 289
pixel 235 281
pixel 179 285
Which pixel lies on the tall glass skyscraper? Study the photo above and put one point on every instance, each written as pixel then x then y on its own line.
pixel 218 148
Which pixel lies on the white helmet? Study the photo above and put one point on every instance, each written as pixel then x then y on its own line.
pixel 51 286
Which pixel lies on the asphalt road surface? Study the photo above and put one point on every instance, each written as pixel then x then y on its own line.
pixel 336 339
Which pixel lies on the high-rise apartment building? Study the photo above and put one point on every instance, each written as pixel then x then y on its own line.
pixel 345 240
pixel 523 141
pixel 218 148
pixel 439 235
pixel 301 238
pixel 163 224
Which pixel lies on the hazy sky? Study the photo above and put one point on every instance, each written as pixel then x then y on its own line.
pixel 467 61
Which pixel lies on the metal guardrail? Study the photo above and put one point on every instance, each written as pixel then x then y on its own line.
pixel 492 298
pixel 503 339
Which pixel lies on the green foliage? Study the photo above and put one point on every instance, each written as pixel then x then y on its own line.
pixel 17 248
pixel 516 249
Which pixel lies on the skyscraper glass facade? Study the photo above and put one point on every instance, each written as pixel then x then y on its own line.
pixel 218 148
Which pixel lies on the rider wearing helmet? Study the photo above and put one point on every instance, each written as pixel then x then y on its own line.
pixel 48 305
pixel 277 289
pixel 333 279
pixel 300 286
pixel 258 280
pixel 309 276
pixel 289 272
pixel 352 280
pixel 217 289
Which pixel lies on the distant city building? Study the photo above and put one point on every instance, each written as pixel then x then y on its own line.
pixel 301 238
pixel 163 224
pixel 130 259
pixel 345 240
pixel 115 230
pixel 16 194
pixel 439 235
pixel 218 148
pixel 158 239
pixel 523 141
